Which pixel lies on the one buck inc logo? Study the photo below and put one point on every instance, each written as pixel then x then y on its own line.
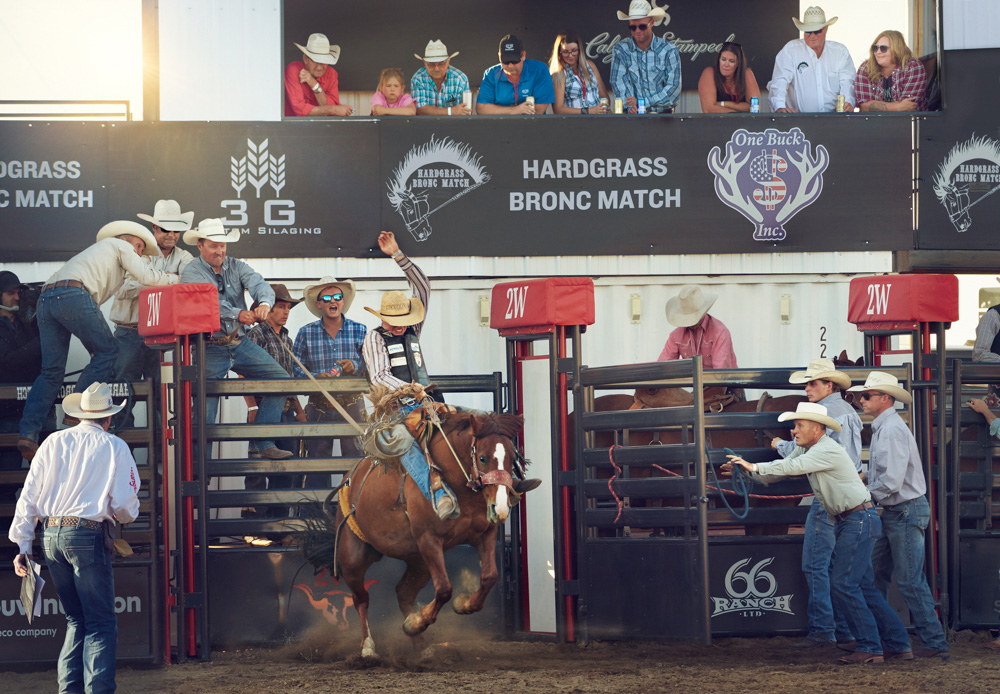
pixel 768 177
pixel 751 593
pixel 967 176
pixel 258 174
pixel 431 176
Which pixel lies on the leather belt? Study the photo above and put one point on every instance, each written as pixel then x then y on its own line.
pixel 64 283
pixel 841 516
pixel 72 522
pixel 128 326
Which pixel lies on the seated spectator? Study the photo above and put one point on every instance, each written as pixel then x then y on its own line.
pixel 391 98
pixel 311 83
pixel 645 66
pixel 577 83
pixel 729 84
pixel 506 87
pixel 809 73
pixel 437 87
pixel 891 79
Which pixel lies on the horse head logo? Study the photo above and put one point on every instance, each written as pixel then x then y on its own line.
pixel 955 178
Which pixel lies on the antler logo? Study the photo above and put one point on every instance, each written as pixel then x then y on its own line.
pixel 431 176
pixel 768 177
pixel 958 180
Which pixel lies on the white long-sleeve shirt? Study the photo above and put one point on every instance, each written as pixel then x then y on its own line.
pixel 810 84
pixel 125 309
pixel 82 471
pixel 102 269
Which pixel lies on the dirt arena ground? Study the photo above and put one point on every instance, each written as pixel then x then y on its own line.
pixel 480 665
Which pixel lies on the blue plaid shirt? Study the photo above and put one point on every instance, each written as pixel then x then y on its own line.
pixel 654 73
pixel 426 93
pixel 318 352
pixel 573 94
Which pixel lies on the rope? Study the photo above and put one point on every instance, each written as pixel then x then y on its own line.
pixel 333 401
pixel 730 491
pixel 611 457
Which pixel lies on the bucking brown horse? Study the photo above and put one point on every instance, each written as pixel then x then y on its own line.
pixel 380 511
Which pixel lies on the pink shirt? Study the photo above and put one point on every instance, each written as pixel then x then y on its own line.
pixel 378 99
pixel 710 339
pixel 300 98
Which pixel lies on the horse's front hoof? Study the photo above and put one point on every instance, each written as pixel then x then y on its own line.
pixel 413 624
pixel 368 649
pixel 462 604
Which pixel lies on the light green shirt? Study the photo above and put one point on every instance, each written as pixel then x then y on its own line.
pixel 830 472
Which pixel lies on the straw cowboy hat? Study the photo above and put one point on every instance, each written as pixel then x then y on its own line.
pixel 211 230
pixel 640 9
pixel 311 293
pixel 124 227
pixel 280 294
pixel 93 403
pixel 884 383
pixel 688 307
pixel 821 369
pixel 318 48
pixel 399 309
pixel 167 215
pixel 814 19
pixel 812 412
pixel 435 52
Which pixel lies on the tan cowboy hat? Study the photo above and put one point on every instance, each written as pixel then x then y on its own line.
pixel 399 309
pixel 814 19
pixel 93 403
pixel 124 227
pixel 280 294
pixel 211 229
pixel 435 52
pixel 311 293
pixel 318 48
pixel 167 215
pixel 821 369
pixel 884 383
pixel 812 412
pixel 640 9
pixel 690 304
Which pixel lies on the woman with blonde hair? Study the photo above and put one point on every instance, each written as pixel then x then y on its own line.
pixel 891 79
pixel 578 85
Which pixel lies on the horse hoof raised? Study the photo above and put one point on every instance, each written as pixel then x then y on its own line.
pixel 462 604
pixel 413 624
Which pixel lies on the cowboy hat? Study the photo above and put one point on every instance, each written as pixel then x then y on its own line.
pixel 812 412
pixel 435 52
pixel 884 383
pixel 311 293
pixel 211 230
pixel 690 304
pixel 399 309
pixel 124 227
pixel 318 48
pixel 93 403
pixel 640 9
pixel 280 294
pixel 167 215
pixel 814 19
pixel 821 369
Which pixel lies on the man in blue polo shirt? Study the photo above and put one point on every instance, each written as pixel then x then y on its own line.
pixel 506 87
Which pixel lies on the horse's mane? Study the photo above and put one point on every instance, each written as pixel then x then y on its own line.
pixel 482 423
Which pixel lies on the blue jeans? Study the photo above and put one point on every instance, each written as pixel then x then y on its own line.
pixel 80 568
pixel 871 620
pixel 135 361
pixel 899 553
pixel 250 361
pixel 323 447
pixel 62 313
pixel 416 466
pixel 817 558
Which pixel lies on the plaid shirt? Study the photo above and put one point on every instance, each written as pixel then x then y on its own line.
pixel 573 94
pixel 264 336
pixel 318 352
pixel 654 73
pixel 426 93
pixel 908 83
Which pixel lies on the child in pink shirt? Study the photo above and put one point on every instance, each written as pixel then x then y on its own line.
pixel 391 99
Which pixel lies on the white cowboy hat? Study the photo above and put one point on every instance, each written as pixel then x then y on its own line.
pixel 167 215
pixel 435 52
pixel 399 309
pixel 690 304
pixel 822 369
pixel 93 403
pixel 123 227
pixel 211 229
pixel 884 383
pixel 318 48
pixel 312 292
pixel 640 9
pixel 814 19
pixel 812 412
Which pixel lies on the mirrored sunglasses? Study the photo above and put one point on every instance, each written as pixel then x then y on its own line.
pixel 332 297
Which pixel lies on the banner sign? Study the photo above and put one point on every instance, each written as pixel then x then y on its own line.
pixel 370 41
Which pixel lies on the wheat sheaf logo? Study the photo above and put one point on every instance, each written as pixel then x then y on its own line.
pixel 257 167
pixel 768 177
pixel 967 176
pixel 431 176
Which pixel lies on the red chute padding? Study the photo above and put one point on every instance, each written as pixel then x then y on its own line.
pixel 896 302
pixel 538 305
pixel 177 309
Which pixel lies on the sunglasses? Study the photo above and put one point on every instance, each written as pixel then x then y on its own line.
pixel 573 51
pixel 511 62
pixel 638 27
pixel 880 49
pixel 869 396
pixel 813 33
pixel 332 297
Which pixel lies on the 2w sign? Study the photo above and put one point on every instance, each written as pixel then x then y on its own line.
pixel 888 302
pixel 540 305
pixel 878 299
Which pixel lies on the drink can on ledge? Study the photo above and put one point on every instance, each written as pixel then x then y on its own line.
pixel 530 100
pixel 604 102
pixel 840 103
pixel 467 99
pixel 619 105
pixel 754 104
pixel 640 105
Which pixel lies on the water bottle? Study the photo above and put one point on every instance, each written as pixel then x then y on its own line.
pixel 336 370
pixel 754 104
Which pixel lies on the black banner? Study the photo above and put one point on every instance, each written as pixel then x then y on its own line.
pixel 372 39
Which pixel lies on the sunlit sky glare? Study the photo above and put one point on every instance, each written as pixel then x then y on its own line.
pixel 860 21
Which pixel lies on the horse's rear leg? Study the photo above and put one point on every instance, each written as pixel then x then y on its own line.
pixel 467 603
pixel 355 558
pixel 433 556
